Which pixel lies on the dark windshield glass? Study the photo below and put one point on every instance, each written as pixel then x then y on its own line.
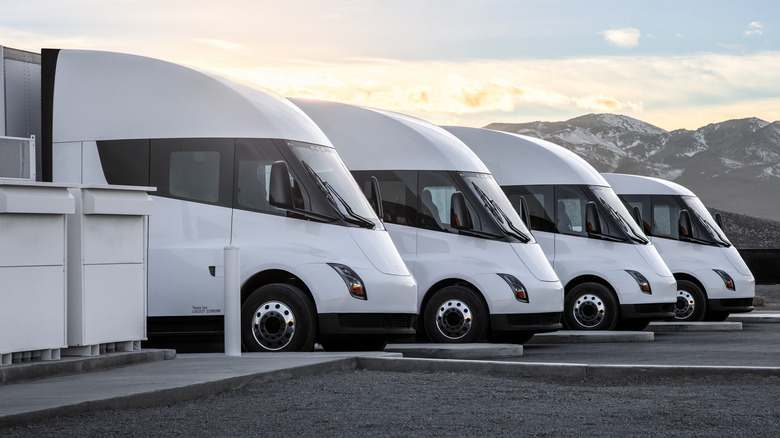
pixel 709 230
pixel 328 172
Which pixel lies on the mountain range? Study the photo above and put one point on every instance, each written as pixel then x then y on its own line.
pixel 732 165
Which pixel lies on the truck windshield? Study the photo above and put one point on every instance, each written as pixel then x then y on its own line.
pixel 617 211
pixel 330 174
pixel 700 214
pixel 495 201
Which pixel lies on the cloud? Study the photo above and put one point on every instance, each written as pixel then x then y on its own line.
pixel 669 92
pixel 754 28
pixel 624 38
pixel 224 45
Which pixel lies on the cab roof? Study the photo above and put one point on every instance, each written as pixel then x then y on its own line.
pixel 374 139
pixel 624 184
pixel 521 160
pixel 105 95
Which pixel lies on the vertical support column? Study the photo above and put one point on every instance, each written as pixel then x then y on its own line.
pixel 232 301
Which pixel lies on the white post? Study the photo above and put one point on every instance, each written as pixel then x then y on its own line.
pixel 232 301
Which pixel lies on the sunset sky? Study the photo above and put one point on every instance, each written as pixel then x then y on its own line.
pixel 675 64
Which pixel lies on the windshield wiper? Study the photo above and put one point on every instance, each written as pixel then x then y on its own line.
pixel 498 213
pixel 631 234
pixel 330 192
pixel 713 233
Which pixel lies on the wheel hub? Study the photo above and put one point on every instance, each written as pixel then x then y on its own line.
pixel 685 305
pixel 453 319
pixel 589 310
pixel 273 325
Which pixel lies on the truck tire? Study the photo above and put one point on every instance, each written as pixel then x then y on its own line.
pixel 455 314
pixel 691 302
pixel 590 306
pixel 278 317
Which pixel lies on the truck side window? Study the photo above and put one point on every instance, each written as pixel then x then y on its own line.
pixel 254 158
pixel 666 215
pixel 643 203
pixel 435 189
pixel 399 193
pixel 199 170
pixel 570 210
pixel 541 205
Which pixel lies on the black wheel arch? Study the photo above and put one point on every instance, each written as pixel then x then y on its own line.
pixel 687 277
pixel 271 276
pixel 574 282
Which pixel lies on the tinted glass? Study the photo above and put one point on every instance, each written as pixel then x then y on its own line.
pixel 570 210
pixel 621 223
pixel 666 216
pixel 253 173
pixel 399 193
pixel 540 201
pixel 705 227
pixel 125 162
pixel 642 202
pixel 327 171
pixel 489 193
pixel 198 170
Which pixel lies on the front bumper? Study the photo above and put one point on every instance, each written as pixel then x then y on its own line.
pixel 649 311
pixel 731 305
pixel 366 326
pixel 507 323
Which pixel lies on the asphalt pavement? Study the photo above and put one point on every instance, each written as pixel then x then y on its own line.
pixel 123 381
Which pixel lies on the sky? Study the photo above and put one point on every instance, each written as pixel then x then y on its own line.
pixel 675 64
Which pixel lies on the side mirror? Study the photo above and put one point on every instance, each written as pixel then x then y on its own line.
pixel 376 197
pixel 592 222
pixel 719 220
pixel 280 193
pixel 525 215
pixel 459 213
pixel 684 224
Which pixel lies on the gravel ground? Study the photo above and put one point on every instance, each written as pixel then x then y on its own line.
pixel 374 403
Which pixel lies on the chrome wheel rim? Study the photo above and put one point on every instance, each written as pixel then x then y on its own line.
pixel 589 310
pixel 685 305
pixel 273 325
pixel 454 319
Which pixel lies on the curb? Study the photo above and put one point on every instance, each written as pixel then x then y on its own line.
pixel 24 372
pixel 573 370
pixel 701 326
pixel 590 337
pixel 457 351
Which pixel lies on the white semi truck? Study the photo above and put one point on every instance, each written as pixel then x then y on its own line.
pixel 613 275
pixel 232 165
pixel 712 279
pixel 479 269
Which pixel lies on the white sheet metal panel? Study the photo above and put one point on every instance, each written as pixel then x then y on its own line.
pixel 107 265
pixel 625 184
pixel 521 160
pixel 104 95
pixel 373 139
pixel 32 314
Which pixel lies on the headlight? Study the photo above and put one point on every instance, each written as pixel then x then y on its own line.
pixel 726 279
pixel 352 280
pixel 644 285
pixel 517 287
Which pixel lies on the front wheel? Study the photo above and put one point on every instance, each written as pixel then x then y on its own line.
pixel 691 302
pixel 278 317
pixel 455 314
pixel 590 306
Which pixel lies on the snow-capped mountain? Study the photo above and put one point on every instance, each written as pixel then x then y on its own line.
pixel 732 165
